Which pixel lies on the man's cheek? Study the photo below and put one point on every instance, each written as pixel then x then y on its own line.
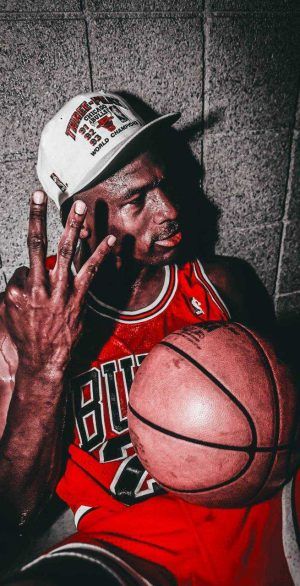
pixel 125 241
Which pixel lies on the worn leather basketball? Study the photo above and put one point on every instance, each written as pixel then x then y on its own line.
pixel 213 415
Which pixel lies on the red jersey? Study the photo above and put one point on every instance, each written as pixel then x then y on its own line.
pixel 102 449
pixel 115 500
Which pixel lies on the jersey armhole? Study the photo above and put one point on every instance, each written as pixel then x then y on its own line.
pixel 206 282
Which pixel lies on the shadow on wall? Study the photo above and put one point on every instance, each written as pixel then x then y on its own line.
pixel 200 215
pixel 289 333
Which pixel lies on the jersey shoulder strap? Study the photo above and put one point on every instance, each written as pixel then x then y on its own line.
pixel 205 281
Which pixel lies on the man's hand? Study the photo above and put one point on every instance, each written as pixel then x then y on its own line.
pixel 44 309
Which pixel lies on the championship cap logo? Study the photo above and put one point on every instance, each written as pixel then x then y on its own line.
pixel 85 137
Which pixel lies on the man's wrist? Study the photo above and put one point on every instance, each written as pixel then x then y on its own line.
pixel 44 372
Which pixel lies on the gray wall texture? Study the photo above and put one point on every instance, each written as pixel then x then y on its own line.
pixel 236 61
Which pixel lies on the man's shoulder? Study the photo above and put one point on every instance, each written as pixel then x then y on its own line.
pixel 229 272
pixel 242 290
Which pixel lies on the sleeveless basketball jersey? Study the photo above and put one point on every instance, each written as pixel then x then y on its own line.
pixel 115 500
pixel 102 450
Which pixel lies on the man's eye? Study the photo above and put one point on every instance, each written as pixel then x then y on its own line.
pixel 137 200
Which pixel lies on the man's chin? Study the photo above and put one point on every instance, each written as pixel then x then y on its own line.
pixel 164 257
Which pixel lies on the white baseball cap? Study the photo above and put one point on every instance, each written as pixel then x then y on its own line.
pixel 84 137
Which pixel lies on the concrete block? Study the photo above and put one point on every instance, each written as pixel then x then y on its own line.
pixel 293 211
pixel 259 246
pixel 252 5
pixel 289 270
pixel 40 72
pixel 39 6
pixel 18 182
pixel 246 174
pixel 288 305
pixel 145 6
pixel 156 59
pixel 252 64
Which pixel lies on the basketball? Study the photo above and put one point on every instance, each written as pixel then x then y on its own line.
pixel 213 415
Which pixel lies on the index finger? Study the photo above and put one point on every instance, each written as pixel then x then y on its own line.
pixel 37 237
pixel 90 267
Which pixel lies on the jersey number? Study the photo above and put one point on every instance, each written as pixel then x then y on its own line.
pixel 131 482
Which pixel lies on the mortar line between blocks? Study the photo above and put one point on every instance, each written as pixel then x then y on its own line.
pixel 83 11
pixel 287 196
pixel 205 106
pixel 295 292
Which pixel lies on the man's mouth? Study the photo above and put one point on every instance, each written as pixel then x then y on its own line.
pixel 170 241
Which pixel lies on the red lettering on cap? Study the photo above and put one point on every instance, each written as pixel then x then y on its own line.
pixel 76 118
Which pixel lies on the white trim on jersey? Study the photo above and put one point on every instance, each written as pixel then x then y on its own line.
pixel 141 311
pixel 64 550
pixel 289 538
pixel 137 311
pixel 80 512
pixel 223 304
pixel 144 309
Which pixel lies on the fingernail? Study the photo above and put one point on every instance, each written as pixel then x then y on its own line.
pixel 80 207
pixel 111 240
pixel 38 197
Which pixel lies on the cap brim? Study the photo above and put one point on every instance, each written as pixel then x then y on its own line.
pixel 115 157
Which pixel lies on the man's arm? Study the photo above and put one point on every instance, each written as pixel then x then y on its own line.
pixel 43 316
pixel 244 294
pixel 8 368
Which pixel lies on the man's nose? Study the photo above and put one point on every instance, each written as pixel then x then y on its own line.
pixel 164 209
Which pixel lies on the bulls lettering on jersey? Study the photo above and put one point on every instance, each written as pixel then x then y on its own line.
pixel 102 446
pixel 100 397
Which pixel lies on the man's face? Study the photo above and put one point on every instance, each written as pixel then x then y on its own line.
pixel 137 206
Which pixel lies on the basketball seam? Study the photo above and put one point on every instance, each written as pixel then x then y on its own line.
pixel 247 449
pixel 219 384
pixel 276 404
pixel 252 449
pixel 191 440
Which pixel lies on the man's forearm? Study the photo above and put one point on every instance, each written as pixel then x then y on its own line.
pixel 31 446
pixel 43 313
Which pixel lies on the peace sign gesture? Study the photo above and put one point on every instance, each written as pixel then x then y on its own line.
pixel 44 309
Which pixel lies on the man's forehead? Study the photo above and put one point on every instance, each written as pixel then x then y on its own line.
pixel 140 171
pixel 145 161
pixel 141 168
pixel 136 165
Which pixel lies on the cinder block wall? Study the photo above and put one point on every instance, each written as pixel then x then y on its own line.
pixel 233 61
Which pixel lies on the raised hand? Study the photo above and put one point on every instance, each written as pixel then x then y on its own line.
pixel 44 309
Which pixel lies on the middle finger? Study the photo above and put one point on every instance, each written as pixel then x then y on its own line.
pixel 37 238
pixel 67 244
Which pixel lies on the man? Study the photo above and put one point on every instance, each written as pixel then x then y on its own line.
pixel 89 317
